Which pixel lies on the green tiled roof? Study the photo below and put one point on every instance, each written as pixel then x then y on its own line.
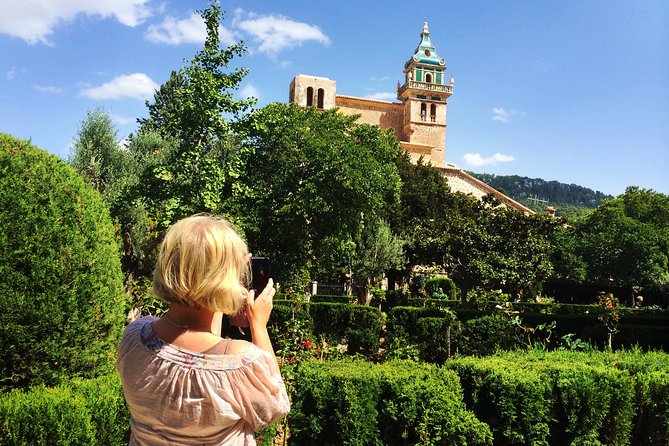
pixel 426 53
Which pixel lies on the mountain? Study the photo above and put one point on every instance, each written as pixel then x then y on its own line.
pixel 569 200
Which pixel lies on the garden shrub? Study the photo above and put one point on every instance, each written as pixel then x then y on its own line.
pixel 651 418
pixel 429 302
pixel 61 288
pixel 592 405
pixel 592 398
pixel 435 335
pixel 513 401
pixel 109 414
pixel 486 334
pixel 45 416
pixel 356 325
pixel 395 298
pixel 441 288
pixel 396 403
pixel 80 412
pixel 425 329
pixel 333 298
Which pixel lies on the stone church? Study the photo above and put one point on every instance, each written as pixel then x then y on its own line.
pixel 418 118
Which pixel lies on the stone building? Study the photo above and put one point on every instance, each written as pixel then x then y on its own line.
pixel 418 119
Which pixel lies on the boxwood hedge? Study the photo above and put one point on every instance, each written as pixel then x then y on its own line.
pixel 61 287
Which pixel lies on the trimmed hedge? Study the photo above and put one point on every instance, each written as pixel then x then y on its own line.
pixel 83 412
pixel 428 329
pixel 62 303
pixel 396 403
pixel 340 299
pixel 514 398
pixel 359 326
pixel 566 398
pixel 441 288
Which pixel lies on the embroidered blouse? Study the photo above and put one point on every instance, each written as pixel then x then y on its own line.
pixel 180 397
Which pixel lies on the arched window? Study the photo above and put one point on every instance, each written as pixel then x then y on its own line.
pixel 433 113
pixel 428 78
pixel 310 96
pixel 423 111
pixel 321 97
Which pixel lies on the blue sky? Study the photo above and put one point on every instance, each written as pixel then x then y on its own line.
pixel 575 91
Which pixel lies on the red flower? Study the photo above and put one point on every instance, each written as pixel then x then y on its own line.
pixel 306 344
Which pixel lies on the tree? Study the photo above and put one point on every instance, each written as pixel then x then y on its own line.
pixel 185 158
pixel 624 242
pixel 501 248
pixel 376 250
pixel 428 214
pixel 193 109
pixel 96 153
pixel 314 178
pixel 195 103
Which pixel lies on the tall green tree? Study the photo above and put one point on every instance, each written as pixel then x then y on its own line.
pixel 624 243
pixel 375 251
pixel 501 248
pixel 428 214
pixel 315 177
pixel 196 103
pixel 97 154
pixel 185 157
pixel 196 108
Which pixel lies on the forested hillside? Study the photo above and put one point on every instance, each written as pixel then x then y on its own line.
pixel 568 199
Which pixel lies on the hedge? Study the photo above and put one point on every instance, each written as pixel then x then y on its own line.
pixel 513 398
pixel 62 302
pixel 358 326
pixel 565 398
pixel 397 403
pixel 82 412
pixel 441 288
pixel 428 329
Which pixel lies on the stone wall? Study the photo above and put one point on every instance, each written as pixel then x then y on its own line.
pixel 381 113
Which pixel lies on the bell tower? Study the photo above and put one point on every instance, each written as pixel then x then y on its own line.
pixel 423 96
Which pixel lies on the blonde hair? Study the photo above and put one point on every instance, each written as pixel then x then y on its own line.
pixel 203 264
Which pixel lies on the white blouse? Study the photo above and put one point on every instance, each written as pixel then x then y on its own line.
pixel 180 397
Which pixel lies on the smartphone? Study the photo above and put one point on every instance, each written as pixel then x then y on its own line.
pixel 259 274
pixel 259 279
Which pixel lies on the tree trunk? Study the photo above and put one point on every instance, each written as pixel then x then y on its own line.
pixel 609 341
pixel 448 341
pixel 361 289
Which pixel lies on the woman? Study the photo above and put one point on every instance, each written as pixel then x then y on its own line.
pixel 183 383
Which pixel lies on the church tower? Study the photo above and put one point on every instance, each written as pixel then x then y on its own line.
pixel 423 96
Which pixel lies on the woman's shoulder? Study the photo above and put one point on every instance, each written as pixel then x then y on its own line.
pixel 240 346
pixel 138 324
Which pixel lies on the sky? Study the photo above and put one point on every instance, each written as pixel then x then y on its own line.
pixel 574 90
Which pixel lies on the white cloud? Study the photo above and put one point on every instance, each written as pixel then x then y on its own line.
pixel 502 115
pixel 49 89
pixel 274 33
pixel 35 20
pixel 135 85
pixel 175 32
pixel 383 96
pixel 11 74
pixel 249 91
pixel 476 160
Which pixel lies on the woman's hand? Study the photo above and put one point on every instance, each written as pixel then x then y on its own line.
pixel 259 309
pixel 258 313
